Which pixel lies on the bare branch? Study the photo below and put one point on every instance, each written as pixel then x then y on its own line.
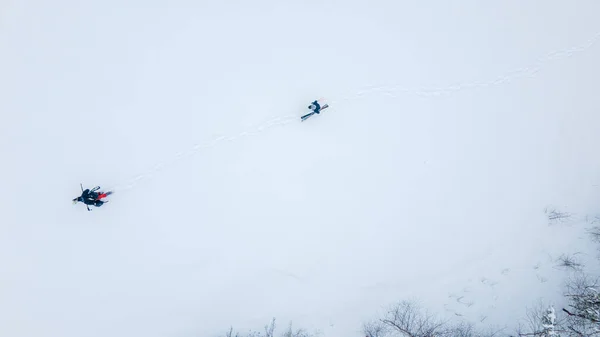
pixel 570 262
pixel 594 232
pixel 583 315
pixel 269 331
pixel 375 329
pixel 410 320
pixel 593 219
pixel 270 328
pixel 556 216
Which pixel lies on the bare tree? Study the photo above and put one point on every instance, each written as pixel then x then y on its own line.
pixel 583 312
pixel 230 333
pixel 593 219
pixel 375 329
pixel 533 320
pixel 270 328
pixel 468 329
pixel 464 329
pixel 594 233
pixel 298 333
pixel 269 331
pixel 408 319
pixel 541 322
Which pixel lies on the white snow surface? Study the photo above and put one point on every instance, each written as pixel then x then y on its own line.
pixel 451 127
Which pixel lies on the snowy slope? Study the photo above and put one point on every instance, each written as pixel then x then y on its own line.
pixel 451 129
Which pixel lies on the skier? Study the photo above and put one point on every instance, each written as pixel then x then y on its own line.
pixel 315 108
pixel 91 197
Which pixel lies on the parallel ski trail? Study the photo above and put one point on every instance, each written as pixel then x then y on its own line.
pixel 278 121
pixel 391 91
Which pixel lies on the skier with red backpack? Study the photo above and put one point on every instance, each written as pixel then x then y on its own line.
pixel 92 197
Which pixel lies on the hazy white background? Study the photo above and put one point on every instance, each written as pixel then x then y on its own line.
pixel 452 126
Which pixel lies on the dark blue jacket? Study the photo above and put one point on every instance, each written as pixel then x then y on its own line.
pixel 87 197
pixel 315 107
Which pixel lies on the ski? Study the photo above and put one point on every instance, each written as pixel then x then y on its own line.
pixel 305 117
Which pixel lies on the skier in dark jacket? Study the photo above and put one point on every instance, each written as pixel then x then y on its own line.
pixel 315 107
pixel 91 197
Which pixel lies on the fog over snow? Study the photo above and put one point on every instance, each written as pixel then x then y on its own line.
pixel 452 127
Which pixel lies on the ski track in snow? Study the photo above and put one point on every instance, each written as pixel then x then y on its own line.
pixel 391 91
pixel 519 73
